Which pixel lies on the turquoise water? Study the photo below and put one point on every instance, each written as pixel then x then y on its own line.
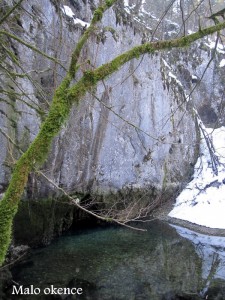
pixel 119 263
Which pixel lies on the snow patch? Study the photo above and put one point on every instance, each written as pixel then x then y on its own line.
pixel 176 7
pixel 68 11
pixel 174 77
pixel 222 63
pixel 178 82
pixel 190 31
pixel 144 12
pixel 127 6
pixel 203 200
pixel 219 47
pixel 166 64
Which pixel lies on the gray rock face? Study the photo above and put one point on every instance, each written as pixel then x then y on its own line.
pixel 135 131
pixel 122 155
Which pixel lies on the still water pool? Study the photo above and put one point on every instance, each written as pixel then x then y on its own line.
pixel 166 262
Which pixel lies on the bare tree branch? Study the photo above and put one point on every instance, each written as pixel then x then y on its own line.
pixel 5 17
pixel 75 201
pixel 19 40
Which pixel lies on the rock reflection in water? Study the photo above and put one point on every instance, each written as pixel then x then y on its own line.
pixel 118 263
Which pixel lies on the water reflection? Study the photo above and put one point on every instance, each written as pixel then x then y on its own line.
pixel 163 263
pixel 211 250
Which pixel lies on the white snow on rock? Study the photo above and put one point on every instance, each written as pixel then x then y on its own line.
pixel 68 11
pixel 144 12
pixel 222 63
pixel 218 46
pixel 127 7
pixel 190 31
pixel 166 64
pixel 203 200
pixel 174 77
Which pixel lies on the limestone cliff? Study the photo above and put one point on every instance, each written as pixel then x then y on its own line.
pixel 135 133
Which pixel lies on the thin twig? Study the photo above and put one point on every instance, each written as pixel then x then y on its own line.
pixel 75 202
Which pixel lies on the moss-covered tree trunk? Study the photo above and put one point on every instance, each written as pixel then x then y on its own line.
pixel 65 96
